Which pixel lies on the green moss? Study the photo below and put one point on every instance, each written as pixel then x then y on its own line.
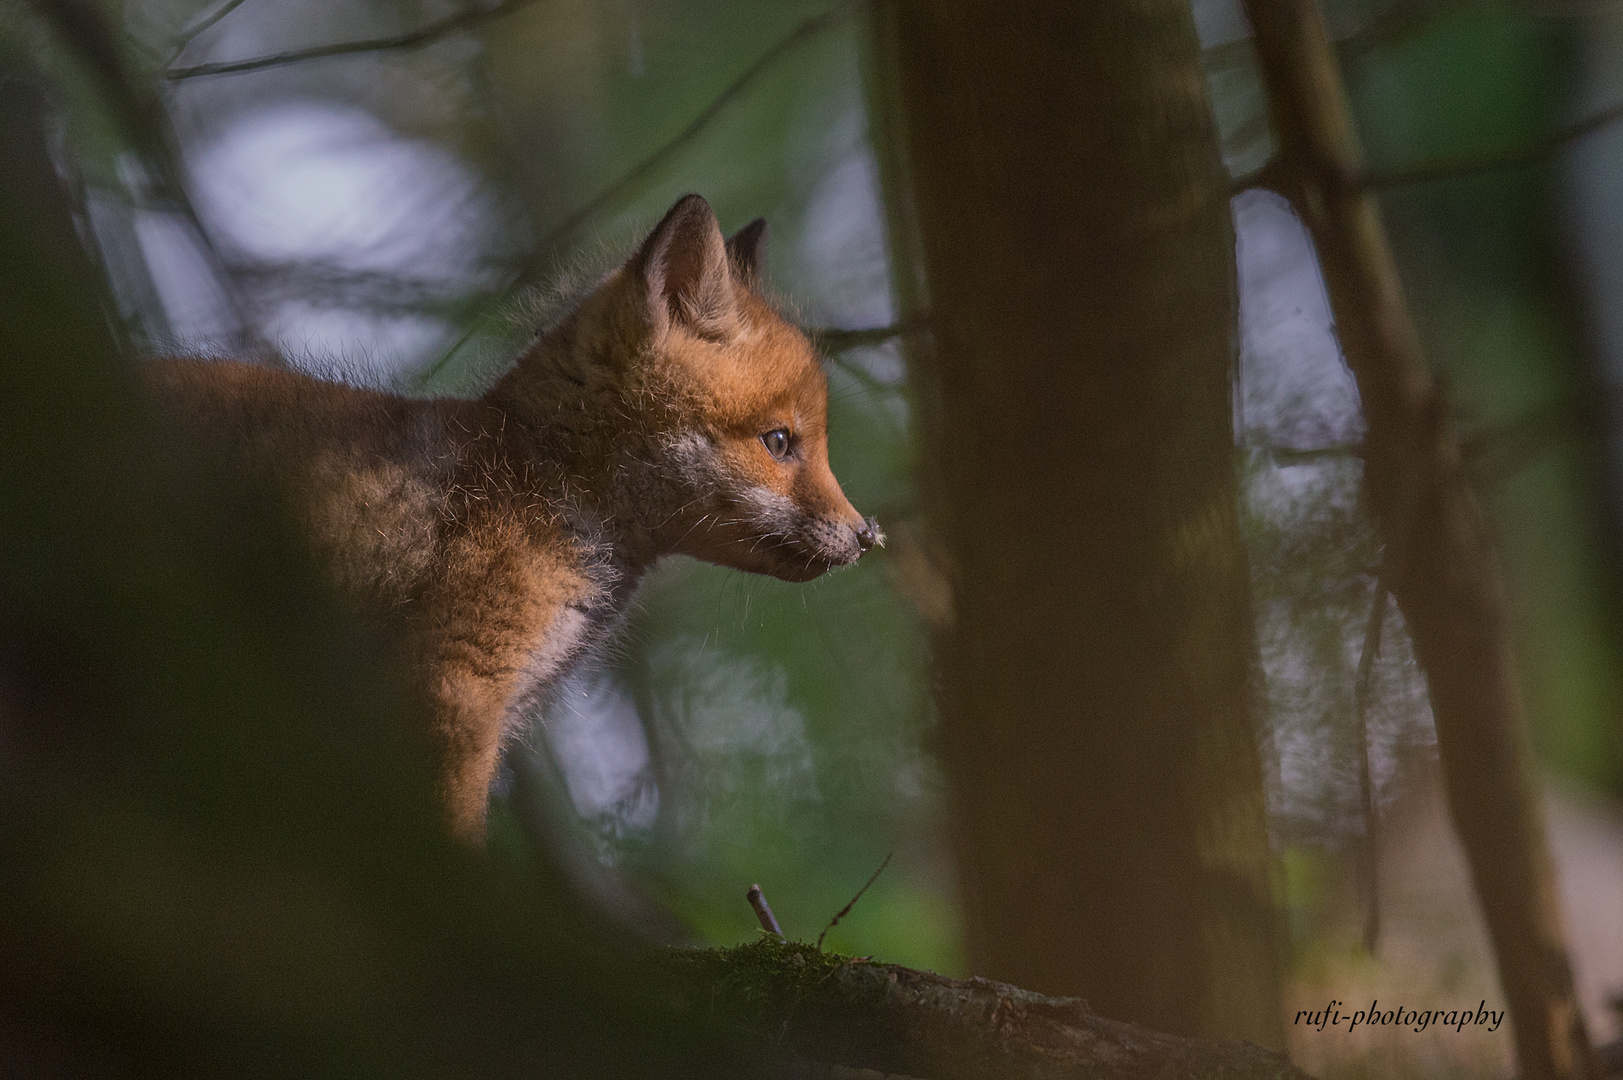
pixel 761 971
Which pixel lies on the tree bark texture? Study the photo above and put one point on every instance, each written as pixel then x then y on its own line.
pixel 1063 184
pixel 1438 558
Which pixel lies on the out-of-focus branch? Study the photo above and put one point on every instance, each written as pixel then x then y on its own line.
pixel 1277 174
pixel 137 109
pixel 642 169
pixel 628 180
pixel 834 339
pixel 1438 558
pixel 1466 164
pixel 323 284
pixel 1370 855
pixel 410 39
pixel 199 25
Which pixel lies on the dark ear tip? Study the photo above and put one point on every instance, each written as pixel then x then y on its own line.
pixel 690 206
pixel 747 247
pixel 687 214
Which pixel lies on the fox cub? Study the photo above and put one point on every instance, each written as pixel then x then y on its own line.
pixel 672 412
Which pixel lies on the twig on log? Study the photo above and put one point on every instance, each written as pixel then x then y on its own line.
pixel 763 912
pixel 846 910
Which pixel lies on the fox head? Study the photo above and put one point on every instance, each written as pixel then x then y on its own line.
pixel 715 406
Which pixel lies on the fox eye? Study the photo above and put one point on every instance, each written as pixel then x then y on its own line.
pixel 776 442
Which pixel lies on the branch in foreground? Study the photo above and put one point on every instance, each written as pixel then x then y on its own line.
pixel 1278 176
pixel 411 39
pixel 1467 164
pixel 842 1011
pixel 834 339
pixel 628 180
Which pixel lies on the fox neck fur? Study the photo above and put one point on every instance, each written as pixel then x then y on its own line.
pixel 672 412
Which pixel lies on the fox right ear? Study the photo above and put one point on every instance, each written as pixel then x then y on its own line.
pixel 684 268
pixel 747 249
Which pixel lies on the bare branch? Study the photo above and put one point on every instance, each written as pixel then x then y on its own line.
pixel 190 32
pixel 642 169
pixel 846 910
pixel 1301 455
pixel 1466 164
pixel 411 39
pixel 324 284
pixel 834 339
pixel 1366 781
pixel 140 113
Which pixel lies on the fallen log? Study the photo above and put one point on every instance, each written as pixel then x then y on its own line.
pixel 844 1011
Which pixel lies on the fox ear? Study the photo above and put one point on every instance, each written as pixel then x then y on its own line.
pixel 747 249
pixel 684 267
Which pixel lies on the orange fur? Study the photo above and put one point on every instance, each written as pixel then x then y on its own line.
pixel 503 537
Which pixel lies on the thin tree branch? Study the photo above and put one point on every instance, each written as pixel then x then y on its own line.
pixel 411 39
pixel 199 25
pixel 1274 175
pixel 1467 164
pixel 642 169
pixel 1301 455
pixel 846 910
pixel 1366 779
pixel 138 110
pixel 1278 176
pixel 835 339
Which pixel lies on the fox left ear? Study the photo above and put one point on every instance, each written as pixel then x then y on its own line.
pixel 684 268
pixel 747 249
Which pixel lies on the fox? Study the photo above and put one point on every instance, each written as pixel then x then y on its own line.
pixel 501 539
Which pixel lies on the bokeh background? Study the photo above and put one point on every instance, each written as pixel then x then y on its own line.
pixel 396 192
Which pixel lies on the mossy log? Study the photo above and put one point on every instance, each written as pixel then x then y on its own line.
pixel 851 1012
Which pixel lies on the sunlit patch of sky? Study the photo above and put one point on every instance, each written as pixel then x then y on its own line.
pixel 595 733
pixel 195 304
pixel 311 183
pixel 1295 392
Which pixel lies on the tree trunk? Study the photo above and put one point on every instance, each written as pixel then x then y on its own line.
pixel 1438 559
pixel 1059 167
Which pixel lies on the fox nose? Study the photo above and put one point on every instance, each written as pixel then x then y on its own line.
pixel 869 534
